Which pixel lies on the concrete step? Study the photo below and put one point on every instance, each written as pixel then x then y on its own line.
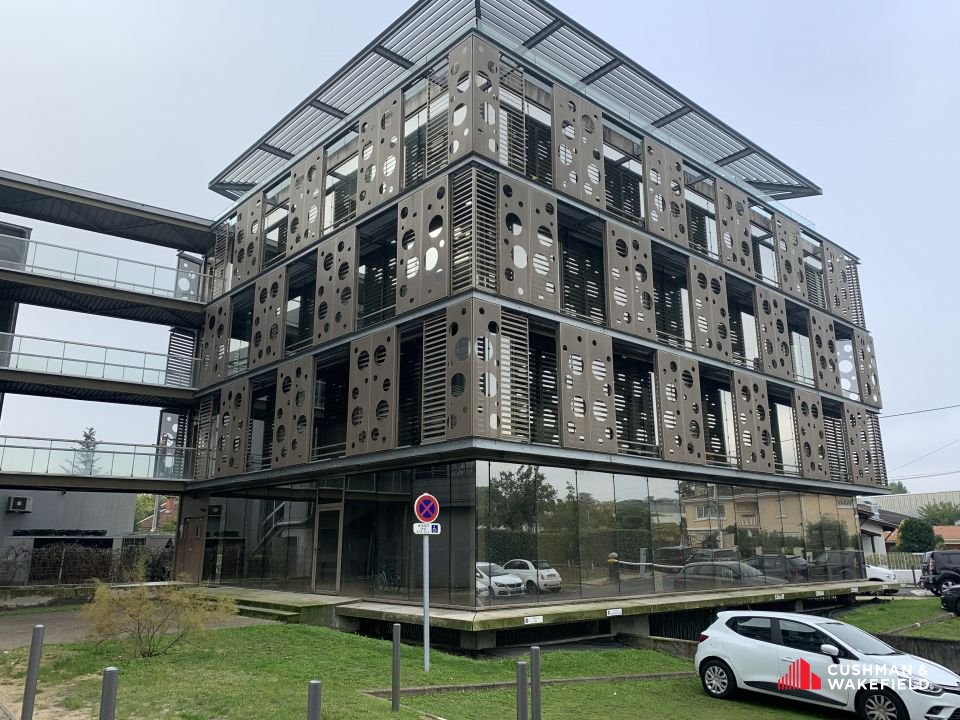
pixel 267 613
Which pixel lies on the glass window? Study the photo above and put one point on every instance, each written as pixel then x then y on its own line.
pixel 632 517
pixel 802 637
pixel 597 529
pixel 858 640
pixel 755 628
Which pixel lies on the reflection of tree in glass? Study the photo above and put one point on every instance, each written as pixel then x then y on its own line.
pixel 85 460
pixel 516 496
pixel 828 534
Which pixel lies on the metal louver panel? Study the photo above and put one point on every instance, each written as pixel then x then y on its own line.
pixel 636 414
pixel 514 376
pixel 434 413
pixel 836 448
pixel 474 230
pixel 205 437
pixel 181 358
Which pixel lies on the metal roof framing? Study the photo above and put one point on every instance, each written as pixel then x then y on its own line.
pixel 536 29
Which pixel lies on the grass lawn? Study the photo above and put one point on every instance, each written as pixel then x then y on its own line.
pixel 261 673
pixel 948 629
pixel 640 700
pixel 886 615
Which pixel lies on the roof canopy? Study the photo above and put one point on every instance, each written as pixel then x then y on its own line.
pixel 552 41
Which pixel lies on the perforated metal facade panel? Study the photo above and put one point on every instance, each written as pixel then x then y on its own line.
pixel 306 202
pixel 630 292
pixel 866 360
pixel 423 247
pixel 789 257
pixel 293 413
pixel 733 227
pixel 215 343
pixel 578 147
pixel 473 347
pixel 232 428
pixel 588 415
pixel 864 451
pixel 380 150
pixel 336 286
pixel 666 210
pixel 752 418
pixel 269 318
pixel 771 312
pixel 529 249
pixel 823 346
pixel 248 240
pixel 474 82
pixel 372 414
pixel 811 442
pixel 709 315
pixel 681 414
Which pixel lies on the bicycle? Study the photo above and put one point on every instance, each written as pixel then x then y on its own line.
pixel 386 581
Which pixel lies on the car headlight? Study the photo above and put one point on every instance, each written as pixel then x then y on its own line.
pixel 925 687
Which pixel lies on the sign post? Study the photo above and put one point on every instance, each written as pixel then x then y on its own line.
pixel 427 509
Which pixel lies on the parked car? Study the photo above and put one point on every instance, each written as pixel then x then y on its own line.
pixel 792 655
pixel 672 555
pixel 940 569
pixel 536 575
pixel 712 575
pixel 837 565
pixel 876 573
pixel 791 568
pixel 950 599
pixel 500 582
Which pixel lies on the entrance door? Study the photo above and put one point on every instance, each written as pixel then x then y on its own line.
pixel 326 577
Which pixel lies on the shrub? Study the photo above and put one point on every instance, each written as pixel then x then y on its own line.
pixel 154 618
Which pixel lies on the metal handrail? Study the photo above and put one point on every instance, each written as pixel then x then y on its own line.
pixel 158 287
pixel 151 363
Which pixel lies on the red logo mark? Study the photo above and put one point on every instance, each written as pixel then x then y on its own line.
pixel 799 676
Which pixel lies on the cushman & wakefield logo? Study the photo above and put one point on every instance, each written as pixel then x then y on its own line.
pixel 799 676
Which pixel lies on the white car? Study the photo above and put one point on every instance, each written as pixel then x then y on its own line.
pixel 536 575
pixel 482 588
pixel 825 662
pixel 881 574
pixel 499 581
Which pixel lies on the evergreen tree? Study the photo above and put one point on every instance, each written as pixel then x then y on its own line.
pixel 942 513
pixel 916 535
pixel 84 460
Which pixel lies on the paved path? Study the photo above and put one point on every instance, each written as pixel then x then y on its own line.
pixel 65 626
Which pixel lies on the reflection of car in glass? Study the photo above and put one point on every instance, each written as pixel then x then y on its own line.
pixel 940 569
pixel 822 661
pixel 791 568
pixel 713 555
pixel 536 575
pixel 710 575
pixel 482 588
pixel 837 565
pixel 499 581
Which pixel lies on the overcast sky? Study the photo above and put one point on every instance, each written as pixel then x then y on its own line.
pixel 149 100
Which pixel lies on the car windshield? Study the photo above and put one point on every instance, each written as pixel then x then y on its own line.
pixel 749 571
pixel 858 640
pixel 543 565
pixel 495 570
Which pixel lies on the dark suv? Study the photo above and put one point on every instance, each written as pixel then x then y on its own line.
pixel 837 565
pixel 940 569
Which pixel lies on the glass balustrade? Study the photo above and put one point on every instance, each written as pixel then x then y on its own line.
pixel 182 283
pixel 71 457
pixel 22 352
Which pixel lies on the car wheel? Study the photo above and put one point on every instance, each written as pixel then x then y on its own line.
pixel 531 587
pixel 881 705
pixel 944 584
pixel 717 678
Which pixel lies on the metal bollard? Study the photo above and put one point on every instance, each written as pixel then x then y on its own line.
pixel 535 683
pixel 521 691
pixel 108 694
pixel 33 673
pixel 314 699
pixel 395 687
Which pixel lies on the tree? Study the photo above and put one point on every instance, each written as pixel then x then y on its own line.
pixel 829 533
pixel 84 460
pixel 144 509
pixel 942 513
pixel 517 497
pixel 897 487
pixel 916 535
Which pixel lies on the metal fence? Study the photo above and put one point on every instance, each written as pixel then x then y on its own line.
pixel 72 563
pixel 896 560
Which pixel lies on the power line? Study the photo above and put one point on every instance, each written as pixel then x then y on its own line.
pixel 932 452
pixel 926 475
pixel 917 412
